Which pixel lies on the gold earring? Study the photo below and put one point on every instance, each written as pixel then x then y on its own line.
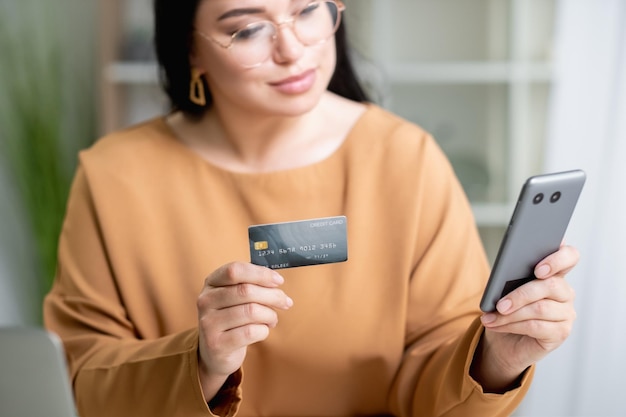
pixel 196 88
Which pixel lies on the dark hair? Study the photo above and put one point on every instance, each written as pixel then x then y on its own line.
pixel 174 41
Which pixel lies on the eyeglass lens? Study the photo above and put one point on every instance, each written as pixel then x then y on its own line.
pixel 314 24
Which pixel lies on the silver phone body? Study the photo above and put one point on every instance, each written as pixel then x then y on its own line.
pixel 536 229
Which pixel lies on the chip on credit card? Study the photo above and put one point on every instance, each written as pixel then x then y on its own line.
pixel 299 243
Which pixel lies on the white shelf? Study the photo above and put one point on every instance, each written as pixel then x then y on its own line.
pixel 132 73
pixel 434 72
pixel 492 215
pixel 468 72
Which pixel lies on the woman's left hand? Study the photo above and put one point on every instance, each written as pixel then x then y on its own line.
pixel 530 322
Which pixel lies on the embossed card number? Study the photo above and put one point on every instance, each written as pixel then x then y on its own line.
pixel 299 243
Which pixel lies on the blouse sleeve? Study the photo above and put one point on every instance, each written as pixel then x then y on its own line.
pixel 446 285
pixel 114 372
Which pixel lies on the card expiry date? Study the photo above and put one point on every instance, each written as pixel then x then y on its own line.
pixel 299 243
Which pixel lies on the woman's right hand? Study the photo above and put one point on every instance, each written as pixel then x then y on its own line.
pixel 236 308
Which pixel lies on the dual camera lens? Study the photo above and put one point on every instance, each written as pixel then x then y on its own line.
pixel 553 198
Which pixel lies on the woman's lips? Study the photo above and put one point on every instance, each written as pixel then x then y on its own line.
pixel 297 84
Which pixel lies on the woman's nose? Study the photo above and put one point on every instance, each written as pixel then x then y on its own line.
pixel 287 47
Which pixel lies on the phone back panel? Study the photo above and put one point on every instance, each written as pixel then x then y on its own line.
pixel 537 227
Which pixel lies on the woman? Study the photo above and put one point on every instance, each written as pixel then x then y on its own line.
pixel 162 313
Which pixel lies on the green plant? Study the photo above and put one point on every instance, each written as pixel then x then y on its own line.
pixel 46 115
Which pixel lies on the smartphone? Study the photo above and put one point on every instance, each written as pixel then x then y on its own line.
pixel 545 205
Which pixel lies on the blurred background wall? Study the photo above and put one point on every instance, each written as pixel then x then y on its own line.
pixel 537 85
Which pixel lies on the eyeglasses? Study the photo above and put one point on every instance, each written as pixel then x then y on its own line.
pixel 252 45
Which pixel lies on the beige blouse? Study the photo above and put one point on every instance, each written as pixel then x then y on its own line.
pixel 391 331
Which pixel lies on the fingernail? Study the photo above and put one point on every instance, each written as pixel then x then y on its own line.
pixel 278 278
pixel 504 305
pixel 488 318
pixel 289 302
pixel 542 271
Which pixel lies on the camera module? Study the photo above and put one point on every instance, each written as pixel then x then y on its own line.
pixel 538 198
pixel 555 197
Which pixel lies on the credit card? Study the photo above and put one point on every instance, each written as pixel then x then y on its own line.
pixel 299 243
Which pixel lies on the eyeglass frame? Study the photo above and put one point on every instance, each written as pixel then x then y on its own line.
pixel 277 26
